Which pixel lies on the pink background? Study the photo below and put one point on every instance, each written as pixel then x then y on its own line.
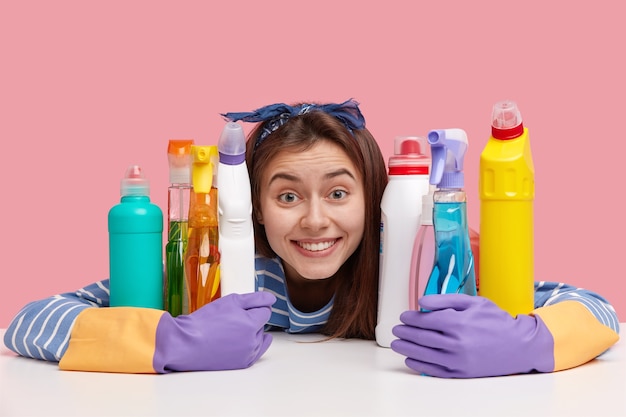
pixel 87 88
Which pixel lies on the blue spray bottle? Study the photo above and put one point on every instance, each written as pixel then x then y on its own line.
pixel 453 269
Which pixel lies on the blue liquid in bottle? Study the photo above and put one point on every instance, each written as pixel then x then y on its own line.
pixel 453 270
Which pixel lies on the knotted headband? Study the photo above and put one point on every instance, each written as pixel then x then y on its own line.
pixel 276 115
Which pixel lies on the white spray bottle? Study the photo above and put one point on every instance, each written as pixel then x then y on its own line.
pixel 401 207
pixel 236 233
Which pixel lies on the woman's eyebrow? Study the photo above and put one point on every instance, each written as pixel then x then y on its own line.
pixel 339 172
pixel 294 178
pixel 284 176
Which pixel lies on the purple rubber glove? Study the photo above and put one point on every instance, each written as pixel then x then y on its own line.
pixel 466 336
pixel 224 334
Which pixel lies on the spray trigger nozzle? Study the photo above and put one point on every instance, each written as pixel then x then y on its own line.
pixel 448 147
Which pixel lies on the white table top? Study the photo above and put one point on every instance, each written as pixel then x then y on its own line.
pixel 296 378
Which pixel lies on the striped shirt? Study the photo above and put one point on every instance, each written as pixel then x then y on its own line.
pixel 270 277
pixel 42 328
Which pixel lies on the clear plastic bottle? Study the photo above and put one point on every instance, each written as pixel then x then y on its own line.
pixel 423 256
pixel 237 273
pixel 136 245
pixel 178 195
pixel 507 191
pixel 453 269
pixel 401 207
pixel 202 257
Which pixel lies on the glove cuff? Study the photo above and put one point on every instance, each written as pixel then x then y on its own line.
pixel 116 339
pixel 578 336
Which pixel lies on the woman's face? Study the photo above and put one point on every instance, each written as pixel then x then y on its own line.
pixel 313 209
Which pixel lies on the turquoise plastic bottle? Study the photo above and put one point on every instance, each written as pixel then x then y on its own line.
pixel 136 245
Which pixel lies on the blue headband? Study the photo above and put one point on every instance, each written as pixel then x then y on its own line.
pixel 276 115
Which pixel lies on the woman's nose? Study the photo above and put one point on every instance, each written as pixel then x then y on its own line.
pixel 316 216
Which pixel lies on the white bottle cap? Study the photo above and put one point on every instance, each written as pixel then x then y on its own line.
pixel 427 207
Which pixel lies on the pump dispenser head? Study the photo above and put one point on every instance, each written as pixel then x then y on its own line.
pixel 179 160
pixel 232 144
pixel 506 120
pixel 134 182
pixel 409 156
pixel 204 168
pixel 448 147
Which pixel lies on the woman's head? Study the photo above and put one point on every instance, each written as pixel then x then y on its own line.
pixel 311 206
pixel 317 183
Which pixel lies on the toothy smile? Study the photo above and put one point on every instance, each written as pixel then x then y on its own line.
pixel 316 247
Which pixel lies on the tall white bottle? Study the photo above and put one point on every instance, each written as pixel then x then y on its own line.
pixel 236 233
pixel 401 208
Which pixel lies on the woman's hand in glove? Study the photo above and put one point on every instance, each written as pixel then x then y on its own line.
pixel 227 333
pixel 462 336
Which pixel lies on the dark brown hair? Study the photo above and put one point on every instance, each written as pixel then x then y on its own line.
pixel 356 298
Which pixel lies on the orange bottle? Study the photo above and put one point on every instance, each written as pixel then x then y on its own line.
pixel 202 255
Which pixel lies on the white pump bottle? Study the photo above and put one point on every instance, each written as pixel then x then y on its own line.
pixel 236 233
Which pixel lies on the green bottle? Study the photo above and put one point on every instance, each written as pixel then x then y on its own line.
pixel 136 245
pixel 179 193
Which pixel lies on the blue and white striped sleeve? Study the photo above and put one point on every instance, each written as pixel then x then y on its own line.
pixel 548 293
pixel 42 329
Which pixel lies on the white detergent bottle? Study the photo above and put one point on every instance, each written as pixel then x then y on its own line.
pixel 236 233
pixel 401 207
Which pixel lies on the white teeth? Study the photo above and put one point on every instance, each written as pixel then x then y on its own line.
pixel 315 247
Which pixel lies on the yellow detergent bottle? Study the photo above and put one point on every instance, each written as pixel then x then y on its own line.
pixel 507 191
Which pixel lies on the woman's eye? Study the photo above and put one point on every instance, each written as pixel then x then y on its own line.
pixel 338 194
pixel 287 197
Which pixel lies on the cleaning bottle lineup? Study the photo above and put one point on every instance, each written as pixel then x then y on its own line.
pixel 453 268
pixel 423 256
pixel 178 195
pixel 439 241
pixel 135 228
pixel 401 207
pixel 507 190
pixel 202 256
pixel 236 234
